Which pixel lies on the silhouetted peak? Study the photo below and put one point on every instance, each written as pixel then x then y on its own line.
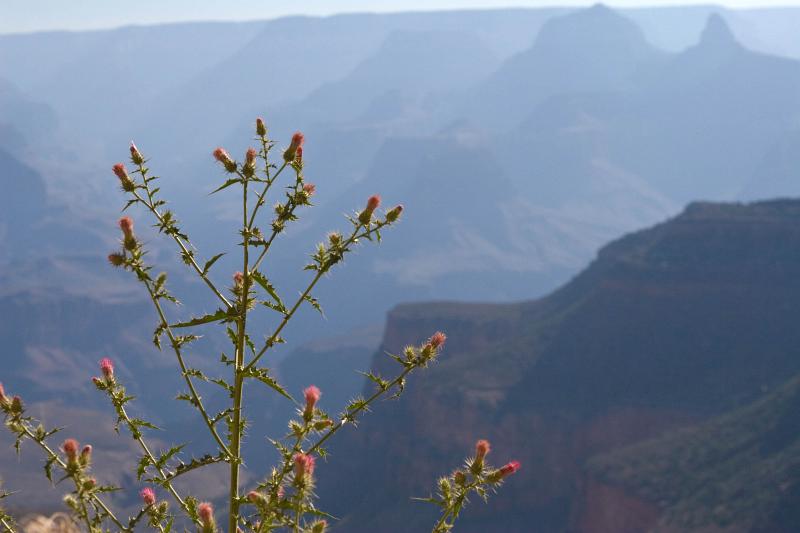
pixel 717 33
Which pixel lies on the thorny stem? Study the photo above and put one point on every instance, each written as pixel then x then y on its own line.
pixel 197 402
pixel 153 461
pixel 236 433
pixel 270 181
pixel 186 253
pixel 321 272
pixel 52 455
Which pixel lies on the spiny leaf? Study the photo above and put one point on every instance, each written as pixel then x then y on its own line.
pixel 210 262
pixel 220 314
pixel 226 185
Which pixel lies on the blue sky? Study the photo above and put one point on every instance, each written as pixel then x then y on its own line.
pixel 34 15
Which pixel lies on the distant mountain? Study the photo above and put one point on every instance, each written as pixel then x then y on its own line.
pixel 669 326
pixel 740 471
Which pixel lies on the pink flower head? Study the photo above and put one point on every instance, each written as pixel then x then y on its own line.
pixel 136 156
pixel 206 513
pixel 250 157
pixel 148 496
pixel 86 454
pixel 482 448
pixel 303 465
pixel 373 202
pixel 261 128
pixel 70 447
pixel 291 152
pixel 437 340
pixel 221 155
pixel 120 171
pixel 309 188
pixel 107 368
pixel 126 225
pixel 256 498
pixel 508 469
pixel 299 155
pixel 238 279
pixel 312 395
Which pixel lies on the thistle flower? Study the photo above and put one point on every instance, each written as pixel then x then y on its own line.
pixel 238 280
pixel 70 448
pixel 148 496
pixel 89 484
pixel 309 189
pixel 482 448
pixel 221 155
pixel 373 202
pixel 312 395
pixel 320 526
pixel 291 152
pixel 249 168
pixel 116 259
pixel 394 213
pixel 124 180
pixel 107 368
pixel 437 340
pixel 303 466
pixel 504 471
pixel 129 240
pixel 86 455
pixel 261 128
pixel 460 477
pixel 206 513
pixel 256 498
pixel 136 156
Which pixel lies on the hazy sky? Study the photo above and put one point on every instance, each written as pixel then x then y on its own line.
pixel 33 15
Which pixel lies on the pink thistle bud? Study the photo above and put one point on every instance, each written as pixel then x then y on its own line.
pixel 482 448
pixel 206 513
pixel 148 496
pixel 89 484
pixel 291 152
pixel 373 202
pixel 86 454
pixel 256 498
pixel 261 128
pixel 223 157
pixel 394 213
pixel 70 447
pixel 98 382
pixel 126 225
pixel 136 156
pixel 508 469
pixel 116 259
pixel 312 395
pixel 250 156
pixel 238 279
pixel 303 466
pixel 309 189
pixel 107 368
pixel 124 179
pixel 120 171
pixel 320 526
pixel 437 340
pixel 460 477
pixel 323 424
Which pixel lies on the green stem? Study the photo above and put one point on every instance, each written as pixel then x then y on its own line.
pixel 270 181
pixel 188 255
pixel 236 435
pixel 197 402
pixel 149 454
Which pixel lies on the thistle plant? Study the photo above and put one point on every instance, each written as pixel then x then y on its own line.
pixel 284 499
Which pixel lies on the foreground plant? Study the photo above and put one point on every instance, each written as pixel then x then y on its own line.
pixel 285 499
